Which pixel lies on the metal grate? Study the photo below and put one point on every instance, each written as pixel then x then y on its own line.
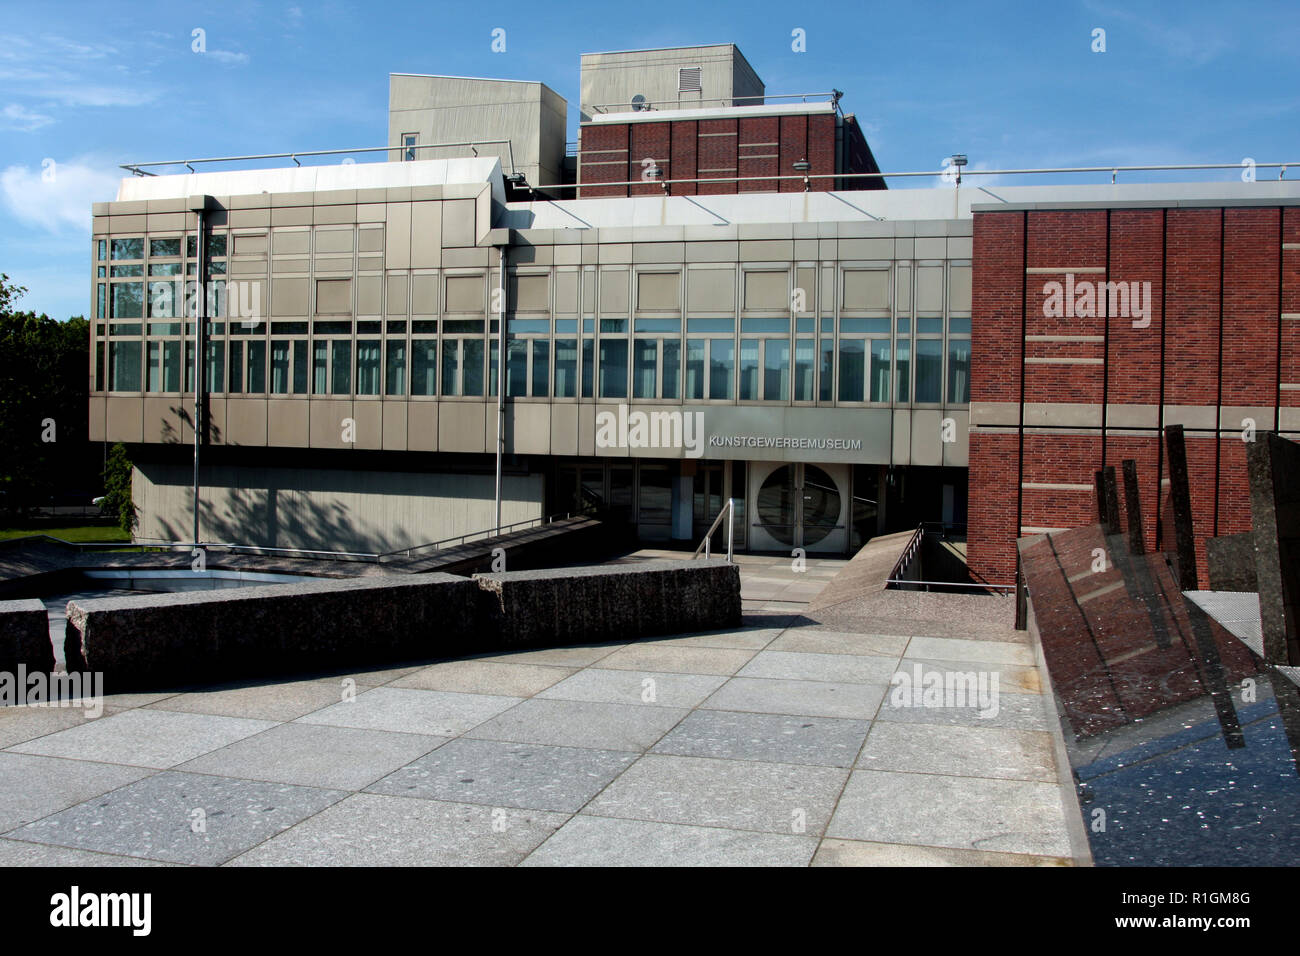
pixel 689 79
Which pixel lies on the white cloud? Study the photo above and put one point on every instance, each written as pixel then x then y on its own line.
pixel 90 95
pixel 58 197
pixel 228 58
pixel 20 118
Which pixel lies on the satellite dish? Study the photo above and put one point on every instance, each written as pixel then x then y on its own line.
pixel 638 103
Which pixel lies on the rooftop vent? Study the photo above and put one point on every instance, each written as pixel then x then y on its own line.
pixel 688 79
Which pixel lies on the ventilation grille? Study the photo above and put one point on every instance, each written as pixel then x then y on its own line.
pixel 688 79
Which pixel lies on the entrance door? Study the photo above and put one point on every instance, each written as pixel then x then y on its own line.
pixel 799 506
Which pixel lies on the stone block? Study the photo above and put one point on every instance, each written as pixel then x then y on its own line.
pixel 601 603
pixel 25 637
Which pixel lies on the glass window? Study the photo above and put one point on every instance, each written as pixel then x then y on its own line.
pixel 613 367
pixel 852 369
pixel 776 370
pixel 879 371
pixel 804 356
pixel 300 367
pixel 128 300
pixel 99 246
pixel 99 301
pixel 645 367
pixel 128 248
pixel 566 368
pixel 236 367
pixel 450 366
pixel 541 387
pixel 280 367
pixel 320 368
pixel 368 359
pixel 214 380
pixel 256 380
pixel 127 272
pixel 695 368
pixel 424 366
pixel 929 326
pixel 493 367
pixel 396 368
pixel 748 370
pixel 164 247
pixel 929 370
pixel 958 326
pixel 672 368
pixel 408 147
pixel 516 367
pixel 902 364
pixel 472 366
pixel 342 366
pixel 722 365
pixel 826 392
pixel 588 365
pixel 656 496
pixel 164 268
pixel 124 366
pixel 959 371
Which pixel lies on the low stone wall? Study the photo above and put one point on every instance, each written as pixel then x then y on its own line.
pixel 25 637
pixel 153 640
pixel 165 640
pixel 610 602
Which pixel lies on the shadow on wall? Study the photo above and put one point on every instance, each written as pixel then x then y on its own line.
pixel 254 516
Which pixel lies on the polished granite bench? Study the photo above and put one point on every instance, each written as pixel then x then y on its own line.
pixel 156 640
pixel 603 602
pixel 25 637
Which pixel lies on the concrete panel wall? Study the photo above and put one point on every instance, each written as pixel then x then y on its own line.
pixel 337 510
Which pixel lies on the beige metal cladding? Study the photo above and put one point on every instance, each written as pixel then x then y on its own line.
pixel 611 80
pixel 451 109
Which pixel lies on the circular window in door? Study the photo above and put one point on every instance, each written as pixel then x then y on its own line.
pixel 821 505
pixel 776 500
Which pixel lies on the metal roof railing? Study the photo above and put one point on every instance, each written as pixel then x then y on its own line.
pixel 138 169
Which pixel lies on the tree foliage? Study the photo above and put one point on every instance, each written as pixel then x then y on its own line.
pixel 44 394
pixel 117 488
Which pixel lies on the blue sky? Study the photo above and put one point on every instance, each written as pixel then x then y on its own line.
pixel 91 85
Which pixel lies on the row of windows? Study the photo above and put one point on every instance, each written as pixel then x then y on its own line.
pixel 876 370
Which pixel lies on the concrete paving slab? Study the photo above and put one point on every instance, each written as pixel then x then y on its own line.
pixel 769 738
pixel 575 723
pixel 431 712
pixel 34 787
pixel 960 751
pixel 159 818
pixel 485 677
pixel 635 687
pixel 316 755
pixel 807 698
pixel 502 774
pixel 603 841
pixel 371 829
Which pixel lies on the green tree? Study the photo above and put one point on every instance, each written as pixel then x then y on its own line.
pixel 44 397
pixel 117 488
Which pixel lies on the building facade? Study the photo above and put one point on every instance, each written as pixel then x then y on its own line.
pixel 839 363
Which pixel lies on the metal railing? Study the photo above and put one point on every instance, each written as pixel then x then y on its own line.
pixel 914 545
pixel 626 107
pixel 729 511
pixel 492 532
pixel 138 169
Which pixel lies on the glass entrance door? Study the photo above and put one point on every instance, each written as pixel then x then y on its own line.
pixel 799 506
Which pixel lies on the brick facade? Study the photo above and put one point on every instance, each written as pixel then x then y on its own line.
pixel 1080 392
pixel 724 149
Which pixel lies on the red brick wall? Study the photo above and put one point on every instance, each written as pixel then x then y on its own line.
pixel 717 148
pixel 1221 278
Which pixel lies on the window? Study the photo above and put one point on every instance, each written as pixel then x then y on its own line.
pixel 852 369
pixel 929 370
pixel 124 366
pixel 804 350
pixel 395 366
pixel 776 370
pixel 613 368
pixel 879 371
pixel 368 359
pixel 722 365
pixel 409 141
pixel 902 365
pixel 256 379
pixel 424 366
pixel 462 367
pixel 748 370
pixel 958 371
pixel 566 368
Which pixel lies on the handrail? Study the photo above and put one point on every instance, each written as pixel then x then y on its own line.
pixel 626 107
pixel 729 509
pixel 492 532
pixel 138 168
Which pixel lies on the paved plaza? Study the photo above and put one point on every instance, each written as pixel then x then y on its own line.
pixel 779 743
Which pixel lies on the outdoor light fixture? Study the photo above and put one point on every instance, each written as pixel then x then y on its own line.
pixel 958 160
pixel 802 166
